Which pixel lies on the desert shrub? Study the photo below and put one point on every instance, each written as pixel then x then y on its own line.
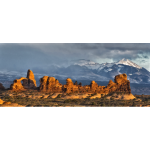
pixel 74 101
pixel 87 98
pixel 38 105
pixel 67 101
pixel 103 104
pixel 29 105
pixel 112 98
pixel 59 96
pixel 9 100
pixel 146 99
pixel 19 97
pixel 142 95
pixel 6 97
pixel 133 104
pixel 93 103
pixel 104 98
pixel 46 105
pixel 117 93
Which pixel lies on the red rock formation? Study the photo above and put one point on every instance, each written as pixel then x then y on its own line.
pixel 2 87
pixel 121 84
pixel 50 84
pixel 93 86
pixel 17 85
pixel 30 77
pixel 69 87
pixel 28 83
pixel 43 85
pixel 76 83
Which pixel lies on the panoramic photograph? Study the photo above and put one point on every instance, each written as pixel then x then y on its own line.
pixel 74 75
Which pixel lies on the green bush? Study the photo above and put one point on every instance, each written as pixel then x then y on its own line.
pixel 67 101
pixel 87 98
pixel 74 101
pixel 104 98
pixel 112 98
pixel 118 93
pixel 93 103
pixel 59 96
pixel 103 104
pixel 133 104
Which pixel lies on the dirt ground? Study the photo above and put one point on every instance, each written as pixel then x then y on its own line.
pixel 33 98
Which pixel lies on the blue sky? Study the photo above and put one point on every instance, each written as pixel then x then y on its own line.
pixel 27 56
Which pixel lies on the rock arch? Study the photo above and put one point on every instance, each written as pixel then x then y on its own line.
pixel 17 85
pixel 28 83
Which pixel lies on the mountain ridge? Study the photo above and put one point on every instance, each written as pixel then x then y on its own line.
pixel 86 70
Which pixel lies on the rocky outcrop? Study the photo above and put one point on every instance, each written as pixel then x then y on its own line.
pixel 17 85
pixel 69 87
pixel 93 87
pixel 28 83
pixel 2 87
pixel 121 84
pixel 30 77
pixel 50 84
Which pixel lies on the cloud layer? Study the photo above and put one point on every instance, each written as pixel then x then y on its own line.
pixel 25 56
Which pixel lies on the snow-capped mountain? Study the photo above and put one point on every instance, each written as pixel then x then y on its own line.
pixel 85 70
pixel 128 63
pixel 107 71
pixel 92 65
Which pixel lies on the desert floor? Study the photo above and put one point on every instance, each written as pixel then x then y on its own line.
pixel 32 98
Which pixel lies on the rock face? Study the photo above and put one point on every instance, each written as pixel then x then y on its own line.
pixel 121 84
pixel 2 87
pixel 69 87
pixel 28 83
pixel 50 84
pixel 30 77
pixel 17 85
pixel 93 86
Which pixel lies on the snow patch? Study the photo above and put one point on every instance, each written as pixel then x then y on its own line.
pixel 128 63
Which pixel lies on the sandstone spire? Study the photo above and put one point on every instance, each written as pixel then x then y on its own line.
pixel 30 76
